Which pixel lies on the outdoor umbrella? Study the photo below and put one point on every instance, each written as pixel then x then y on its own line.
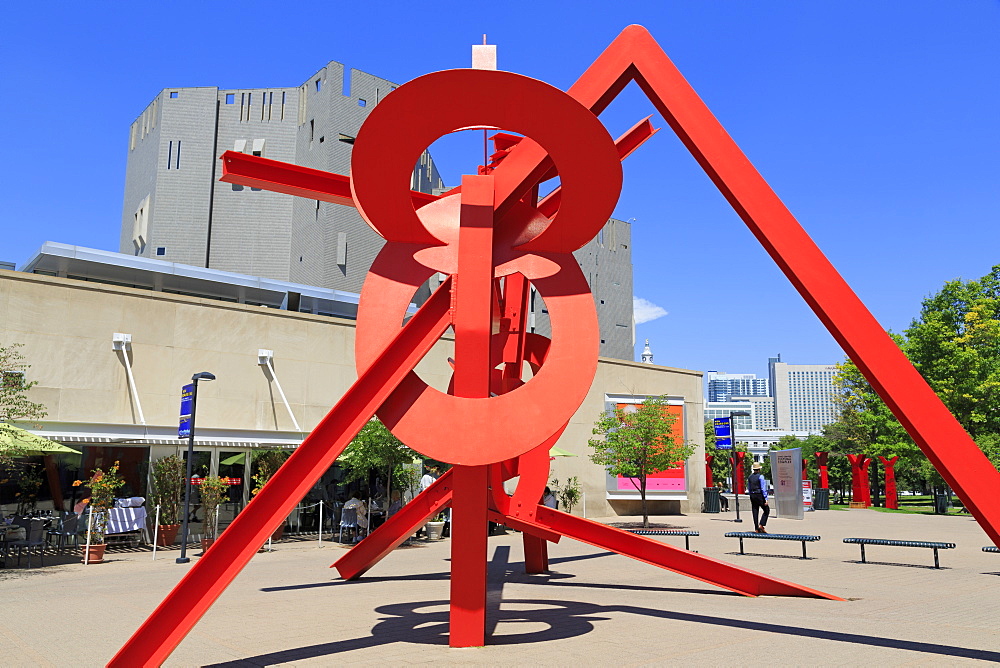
pixel 23 442
pixel 559 452
pixel 240 458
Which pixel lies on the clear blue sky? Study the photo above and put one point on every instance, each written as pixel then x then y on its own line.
pixel 876 123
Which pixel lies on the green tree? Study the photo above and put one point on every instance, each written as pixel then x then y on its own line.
pixel 955 344
pixel 638 440
pixel 14 386
pixel 377 450
pixel 14 402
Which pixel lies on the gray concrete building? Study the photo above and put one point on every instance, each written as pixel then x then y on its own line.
pixel 606 262
pixel 176 209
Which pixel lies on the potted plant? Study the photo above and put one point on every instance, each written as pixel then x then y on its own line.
pixel 214 491
pixel 435 527
pixel 568 494
pixel 267 463
pixel 102 485
pixel 168 487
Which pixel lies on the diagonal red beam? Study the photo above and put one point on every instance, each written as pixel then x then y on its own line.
pixel 635 56
pixel 684 562
pixel 209 576
pixel 396 529
pixel 632 139
pixel 285 177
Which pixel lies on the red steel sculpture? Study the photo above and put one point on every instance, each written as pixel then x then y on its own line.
pixel 493 238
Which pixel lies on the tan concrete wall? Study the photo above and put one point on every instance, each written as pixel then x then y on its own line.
pixel 66 327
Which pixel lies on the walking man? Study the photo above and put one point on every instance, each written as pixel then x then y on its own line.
pixel 757 488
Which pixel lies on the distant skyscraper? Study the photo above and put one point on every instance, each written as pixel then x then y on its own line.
pixel 794 397
pixel 803 395
pixel 724 386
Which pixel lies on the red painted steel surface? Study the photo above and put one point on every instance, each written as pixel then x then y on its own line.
pixel 860 492
pixel 741 478
pixel 672 558
pixel 427 235
pixel 709 480
pixel 212 573
pixel 889 471
pixel 391 533
pixel 821 461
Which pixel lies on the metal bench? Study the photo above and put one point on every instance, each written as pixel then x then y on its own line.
pixel 991 548
pixel 803 538
pixel 668 532
pixel 901 543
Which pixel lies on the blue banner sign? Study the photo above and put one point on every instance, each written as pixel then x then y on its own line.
pixel 187 399
pixel 723 434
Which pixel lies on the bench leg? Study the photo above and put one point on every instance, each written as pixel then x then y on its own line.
pixel 936 564
pixel 687 542
pixel 741 545
pixel 862 553
pixel 804 550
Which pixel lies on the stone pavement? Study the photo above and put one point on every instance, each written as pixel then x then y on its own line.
pixel 593 608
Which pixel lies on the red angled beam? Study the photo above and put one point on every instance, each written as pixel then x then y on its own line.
pixel 284 177
pixel 210 575
pixel 635 56
pixel 691 564
pixel 396 529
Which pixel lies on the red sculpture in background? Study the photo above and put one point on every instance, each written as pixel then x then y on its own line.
pixel 860 492
pixel 492 237
pixel 889 468
pixel 824 476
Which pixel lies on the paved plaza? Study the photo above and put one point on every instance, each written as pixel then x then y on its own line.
pixel 593 608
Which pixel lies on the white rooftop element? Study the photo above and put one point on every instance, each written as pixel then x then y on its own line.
pixel 484 56
pixel 647 354
pixel 150 274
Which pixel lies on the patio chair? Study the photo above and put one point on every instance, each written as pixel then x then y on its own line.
pixel 67 529
pixel 35 532
pixel 348 520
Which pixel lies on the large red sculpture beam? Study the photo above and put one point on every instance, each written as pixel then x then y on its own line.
pixel 233 549
pixel 427 235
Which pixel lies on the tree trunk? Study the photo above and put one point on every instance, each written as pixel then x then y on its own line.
pixel 642 495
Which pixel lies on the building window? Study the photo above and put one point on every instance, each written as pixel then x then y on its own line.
pixel 161 250
pixel 318 84
pixel 173 94
pixel 362 103
pixel 230 98
pixel 347 139
pixel 312 128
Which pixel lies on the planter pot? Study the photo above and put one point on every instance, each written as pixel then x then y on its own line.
pixel 279 532
pixel 206 543
pixel 167 534
pixel 94 554
pixel 434 530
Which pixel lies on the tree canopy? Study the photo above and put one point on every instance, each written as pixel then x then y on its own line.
pixel 954 343
pixel 639 440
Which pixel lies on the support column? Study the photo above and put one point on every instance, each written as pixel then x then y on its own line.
pixel 472 318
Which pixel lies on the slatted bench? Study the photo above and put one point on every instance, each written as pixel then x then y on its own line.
pixel 803 538
pixel 991 548
pixel 901 543
pixel 668 532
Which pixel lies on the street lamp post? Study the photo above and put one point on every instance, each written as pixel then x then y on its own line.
pixel 204 375
pixel 732 458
